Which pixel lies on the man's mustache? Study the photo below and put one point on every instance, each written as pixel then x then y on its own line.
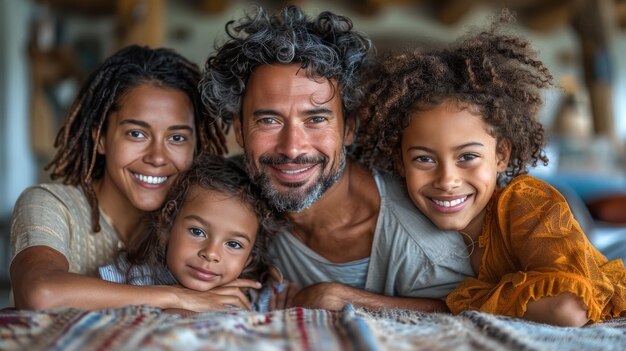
pixel 282 160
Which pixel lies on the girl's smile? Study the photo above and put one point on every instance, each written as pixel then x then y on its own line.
pixel 450 162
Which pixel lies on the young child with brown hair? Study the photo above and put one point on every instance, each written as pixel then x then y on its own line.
pixel 460 125
pixel 212 230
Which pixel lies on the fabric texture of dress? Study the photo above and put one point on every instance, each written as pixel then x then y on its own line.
pixel 535 248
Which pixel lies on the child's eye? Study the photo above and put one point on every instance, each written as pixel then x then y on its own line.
pixel 197 232
pixel 137 134
pixel 178 138
pixel 467 157
pixel 423 159
pixel 234 245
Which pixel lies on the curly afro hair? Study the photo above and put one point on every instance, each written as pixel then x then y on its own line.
pixel 494 75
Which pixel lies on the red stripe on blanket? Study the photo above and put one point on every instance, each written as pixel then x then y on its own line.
pixel 302 328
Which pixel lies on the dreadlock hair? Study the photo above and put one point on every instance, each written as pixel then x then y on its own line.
pixel 77 161
pixel 493 75
pixel 210 173
pixel 324 47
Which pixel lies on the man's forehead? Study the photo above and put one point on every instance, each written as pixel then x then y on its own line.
pixel 290 71
pixel 287 84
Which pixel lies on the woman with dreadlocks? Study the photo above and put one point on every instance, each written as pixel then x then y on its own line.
pixel 136 124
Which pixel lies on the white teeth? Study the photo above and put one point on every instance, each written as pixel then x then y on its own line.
pixel 150 179
pixel 294 171
pixel 450 203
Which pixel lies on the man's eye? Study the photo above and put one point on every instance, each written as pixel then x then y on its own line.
pixel 197 232
pixel 267 120
pixel 318 119
pixel 234 245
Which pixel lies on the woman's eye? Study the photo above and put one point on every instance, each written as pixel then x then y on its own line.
pixel 234 245
pixel 136 134
pixel 197 232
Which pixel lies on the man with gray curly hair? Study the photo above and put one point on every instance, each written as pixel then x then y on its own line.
pixel 289 86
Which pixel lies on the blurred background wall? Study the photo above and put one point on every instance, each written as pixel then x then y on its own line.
pixel 49 46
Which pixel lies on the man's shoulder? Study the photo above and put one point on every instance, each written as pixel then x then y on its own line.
pixel 395 200
pixel 401 221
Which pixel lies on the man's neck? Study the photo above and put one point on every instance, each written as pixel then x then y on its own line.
pixel 340 225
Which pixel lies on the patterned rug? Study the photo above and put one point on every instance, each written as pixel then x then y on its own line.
pixel 147 328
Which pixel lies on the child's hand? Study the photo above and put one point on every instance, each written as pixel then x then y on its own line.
pixel 222 298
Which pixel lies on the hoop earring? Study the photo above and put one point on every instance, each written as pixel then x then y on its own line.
pixel 472 244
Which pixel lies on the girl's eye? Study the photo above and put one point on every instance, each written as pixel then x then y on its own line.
pixel 197 232
pixel 467 157
pixel 424 159
pixel 234 245
pixel 178 138
pixel 136 134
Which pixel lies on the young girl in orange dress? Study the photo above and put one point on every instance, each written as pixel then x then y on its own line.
pixel 460 125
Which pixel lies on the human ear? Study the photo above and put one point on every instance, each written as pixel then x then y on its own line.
pixel 400 165
pixel 237 129
pixel 350 131
pixel 503 154
pixel 248 261
pixel 99 142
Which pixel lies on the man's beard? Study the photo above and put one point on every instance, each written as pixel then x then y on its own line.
pixel 293 200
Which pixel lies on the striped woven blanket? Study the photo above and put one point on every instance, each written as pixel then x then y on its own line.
pixel 148 328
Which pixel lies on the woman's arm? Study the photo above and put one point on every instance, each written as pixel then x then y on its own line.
pixel 41 280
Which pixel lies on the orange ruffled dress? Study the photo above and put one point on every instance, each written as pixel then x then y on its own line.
pixel 534 248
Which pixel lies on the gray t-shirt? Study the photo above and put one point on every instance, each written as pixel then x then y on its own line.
pixel 410 257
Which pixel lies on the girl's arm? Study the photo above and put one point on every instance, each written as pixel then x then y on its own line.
pixel 566 310
pixel 41 280
pixel 541 267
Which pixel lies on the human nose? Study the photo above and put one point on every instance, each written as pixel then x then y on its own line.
pixel 293 141
pixel 210 252
pixel 156 154
pixel 448 177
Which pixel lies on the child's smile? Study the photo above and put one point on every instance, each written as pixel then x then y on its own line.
pixel 450 163
pixel 211 239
